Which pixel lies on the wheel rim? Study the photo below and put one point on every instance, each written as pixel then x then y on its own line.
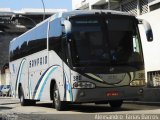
pixel 56 97
pixel 21 99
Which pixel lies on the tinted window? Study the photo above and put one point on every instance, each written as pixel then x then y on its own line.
pixel 55 34
pixel 101 41
pixel 31 42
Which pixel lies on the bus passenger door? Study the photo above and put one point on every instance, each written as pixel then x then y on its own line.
pixel 66 68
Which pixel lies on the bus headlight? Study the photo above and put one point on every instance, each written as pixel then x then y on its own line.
pixel 78 85
pixel 138 83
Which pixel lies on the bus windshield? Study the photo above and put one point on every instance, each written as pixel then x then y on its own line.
pixel 101 40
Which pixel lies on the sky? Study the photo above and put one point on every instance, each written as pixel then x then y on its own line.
pixel 19 4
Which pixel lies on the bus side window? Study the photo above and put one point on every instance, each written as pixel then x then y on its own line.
pixel 55 36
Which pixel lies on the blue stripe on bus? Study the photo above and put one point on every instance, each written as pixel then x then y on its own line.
pixel 39 81
pixel 68 87
pixel 41 90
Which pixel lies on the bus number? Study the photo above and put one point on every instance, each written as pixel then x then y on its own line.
pixel 76 78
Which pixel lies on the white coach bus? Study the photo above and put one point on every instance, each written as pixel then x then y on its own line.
pixel 80 56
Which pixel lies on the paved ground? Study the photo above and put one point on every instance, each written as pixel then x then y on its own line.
pixel 10 108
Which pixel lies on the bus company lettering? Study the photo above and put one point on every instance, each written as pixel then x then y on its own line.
pixel 38 61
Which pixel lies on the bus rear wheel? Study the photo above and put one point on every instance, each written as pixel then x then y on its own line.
pixel 23 101
pixel 116 103
pixel 57 103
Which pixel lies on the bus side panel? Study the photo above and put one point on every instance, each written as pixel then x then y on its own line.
pixel 38 66
pixel 56 56
pixel 19 75
pixel 57 73
pixel 68 83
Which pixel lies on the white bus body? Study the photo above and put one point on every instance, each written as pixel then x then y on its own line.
pixel 80 56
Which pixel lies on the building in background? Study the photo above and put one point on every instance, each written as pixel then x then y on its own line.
pixel 5 75
pixel 136 7
pixel 19 21
pixel 15 22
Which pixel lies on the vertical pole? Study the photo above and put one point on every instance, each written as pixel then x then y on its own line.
pixel 120 5
pixel 43 9
pixel 138 8
pixel 109 5
pixel 90 6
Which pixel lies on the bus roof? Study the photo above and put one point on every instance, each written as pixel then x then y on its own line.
pixel 89 12
pixel 76 13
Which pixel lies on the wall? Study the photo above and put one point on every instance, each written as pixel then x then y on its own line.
pixel 76 4
pixel 5 77
pixel 5 38
pixel 0 78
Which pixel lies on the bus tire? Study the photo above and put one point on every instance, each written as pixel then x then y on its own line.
pixel 23 101
pixel 116 103
pixel 32 102
pixel 57 103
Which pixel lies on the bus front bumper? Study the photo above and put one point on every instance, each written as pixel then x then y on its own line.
pixel 106 94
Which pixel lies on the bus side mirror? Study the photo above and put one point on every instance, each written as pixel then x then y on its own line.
pixel 148 30
pixel 67 26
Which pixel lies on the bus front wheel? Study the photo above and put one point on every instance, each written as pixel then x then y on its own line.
pixel 57 103
pixel 116 103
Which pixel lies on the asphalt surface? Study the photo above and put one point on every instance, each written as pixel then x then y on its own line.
pixel 10 109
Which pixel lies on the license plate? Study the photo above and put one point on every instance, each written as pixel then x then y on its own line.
pixel 112 93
